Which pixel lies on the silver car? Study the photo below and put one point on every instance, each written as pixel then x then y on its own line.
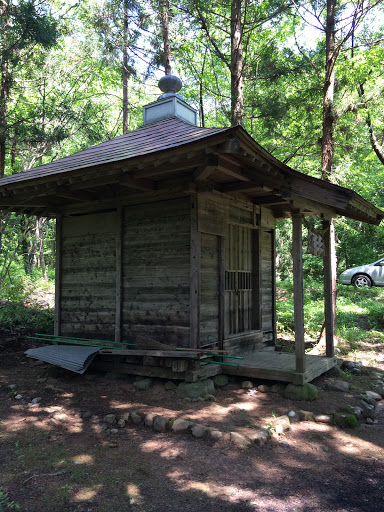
pixel 366 275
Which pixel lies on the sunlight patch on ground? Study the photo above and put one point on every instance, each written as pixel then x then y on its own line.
pixel 67 395
pixel 357 447
pixel 212 489
pixel 84 458
pixel 198 486
pixel 166 449
pixel 351 308
pixel 133 492
pixel 15 423
pixel 87 493
pixel 184 483
pixel 66 421
pixel 119 405
pixel 20 421
pixel 245 406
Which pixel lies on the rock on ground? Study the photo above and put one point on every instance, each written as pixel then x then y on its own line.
pixel 136 418
pixel 170 386
pixel 195 389
pixel 337 385
pixel 199 431
pixel 143 385
pixel 368 410
pixel 240 440
pixel 215 435
pixel 221 380
pixel 181 425
pixel 110 418
pixel 307 392
pixel 160 423
pixel 281 423
pixel 306 415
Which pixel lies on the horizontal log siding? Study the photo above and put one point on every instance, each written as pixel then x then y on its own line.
pixel 267 297
pixel 209 290
pixel 156 266
pixel 88 276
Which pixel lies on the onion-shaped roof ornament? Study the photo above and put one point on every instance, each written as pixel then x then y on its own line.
pixel 170 85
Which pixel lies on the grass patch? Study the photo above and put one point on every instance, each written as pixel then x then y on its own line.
pixel 360 316
pixel 6 503
pixel 25 314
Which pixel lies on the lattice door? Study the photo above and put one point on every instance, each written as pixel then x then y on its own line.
pixel 238 280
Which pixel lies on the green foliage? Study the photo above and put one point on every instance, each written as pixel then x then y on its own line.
pixel 6 503
pixel 18 319
pixel 66 95
pixel 359 318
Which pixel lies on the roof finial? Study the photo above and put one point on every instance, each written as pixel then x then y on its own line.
pixel 170 85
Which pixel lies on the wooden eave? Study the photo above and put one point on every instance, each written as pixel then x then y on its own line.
pixel 173 157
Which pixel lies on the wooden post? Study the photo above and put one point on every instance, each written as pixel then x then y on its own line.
pixel 194 304
pixel 119 272
pixel 273 233
pixel 329 285
pixel 58 274
pixel 297 255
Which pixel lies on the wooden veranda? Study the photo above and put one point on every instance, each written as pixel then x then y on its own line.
pixel 280 366
pixel 268 365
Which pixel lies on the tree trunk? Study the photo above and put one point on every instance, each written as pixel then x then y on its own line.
pixel 125 68
pixel 329 89
pixel 24 245
pixel 40 235
pixel 33 247
pixel 201 90
pixel 4 91
pixel 372 136
pixel 328 123
pixel 164 16
pixel 237 79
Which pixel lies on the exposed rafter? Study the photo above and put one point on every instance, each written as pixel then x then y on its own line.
pixel 203 172
pixel 137 183
pixel 243 187
pixel 270 200
pixel 79 195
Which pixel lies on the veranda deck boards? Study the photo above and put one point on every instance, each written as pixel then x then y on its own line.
pixel 280 366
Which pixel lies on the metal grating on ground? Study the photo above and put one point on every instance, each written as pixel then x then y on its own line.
pixel 73 358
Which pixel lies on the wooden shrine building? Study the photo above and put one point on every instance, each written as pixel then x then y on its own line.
pixel 168 232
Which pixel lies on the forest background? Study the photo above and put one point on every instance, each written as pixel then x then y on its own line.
pixel 303 77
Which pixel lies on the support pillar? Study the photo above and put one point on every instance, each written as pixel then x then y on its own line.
pixel 58 274
pixel 298 296
pixel 329 285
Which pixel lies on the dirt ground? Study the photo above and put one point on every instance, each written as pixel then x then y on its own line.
pixel 53 460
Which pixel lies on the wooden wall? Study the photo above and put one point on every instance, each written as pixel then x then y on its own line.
pixel 156 271
pixel 127 274
pixel 88 273
pixel 245 234
pixel 209 290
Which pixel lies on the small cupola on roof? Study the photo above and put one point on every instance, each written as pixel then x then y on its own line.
pixel 169 104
